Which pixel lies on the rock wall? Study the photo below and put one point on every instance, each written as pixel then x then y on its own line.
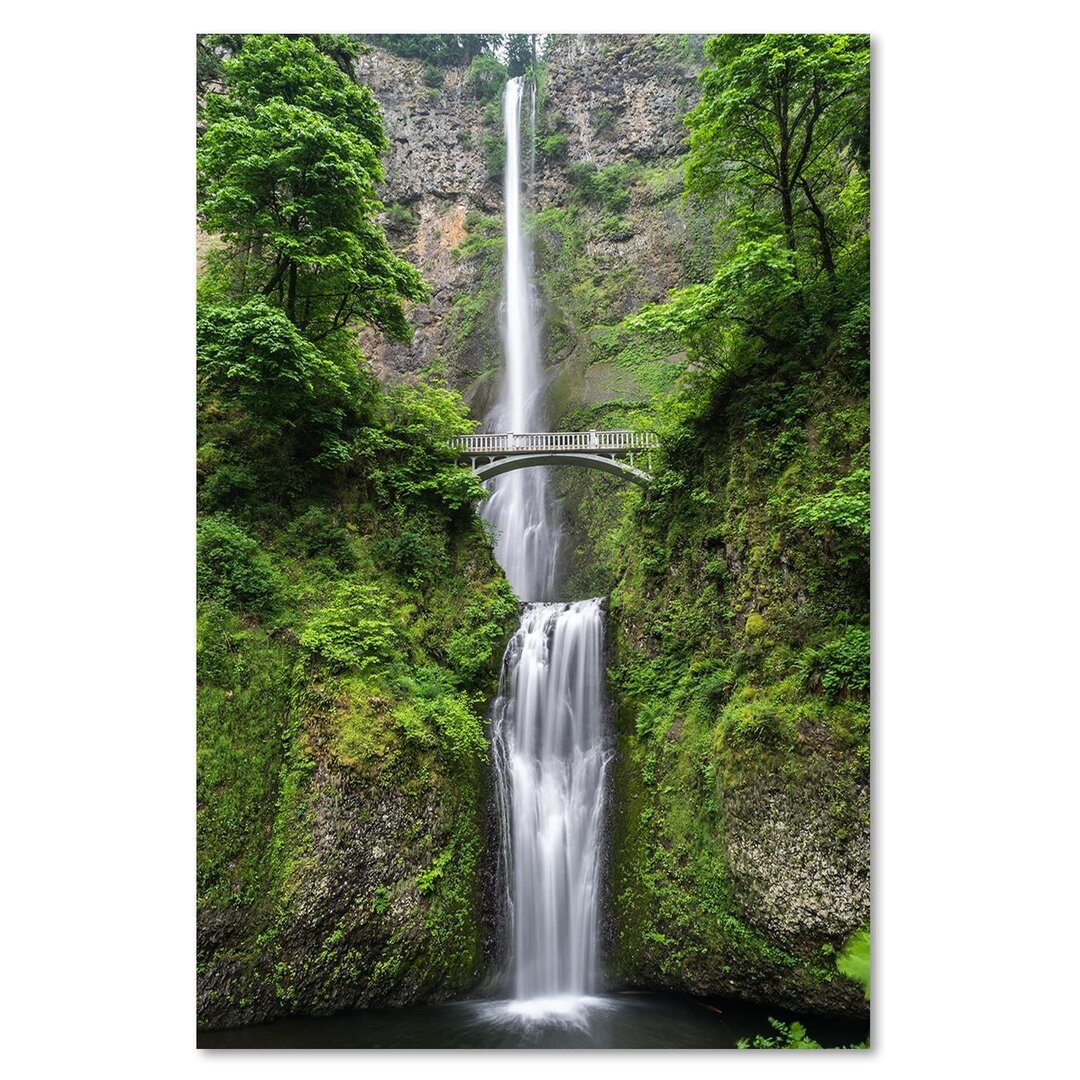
pixel 616 100
pixel 741 829
pixel 436 177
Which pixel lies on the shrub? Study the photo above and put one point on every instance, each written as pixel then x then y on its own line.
pixel 316 533
pixel 583 180
pixel 433 76
pixel 604 120
pixel 554 146
pixel 494 155
pixel 416 555
pixel 354 630
pixel 481 634
pixel 616 228
pixel 789 1037
pixel 231 568
pixel 844 510
pixel 486 78
pixel 401 217
pixel 854 959
pixel 841 665
pixel 459 729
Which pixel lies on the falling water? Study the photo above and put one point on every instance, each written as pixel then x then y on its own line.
pixel 551 755
pixel 551 761
pixel 520 507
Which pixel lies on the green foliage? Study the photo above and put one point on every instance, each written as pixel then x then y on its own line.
pixel 353 630
pixel 616 228
pixel 791 1036
pixel 414 463
pixel 768 137
pixel 212 49
pixel 316 534
pixel 446 50
pixel 232 569
pixel 788 1037
pixel 433 76
pixel 486 78
pixel 854 959
pixel 520 54
pixel 287 172
pixel 845 508
pixel 242 705
pixel 554 147
pixel 484 238
pixel 481 630
pixel 604 120
pixel 774 111
pixel 608 187
pixel 402 217
pixel 841 665
pixel 251 356
pixel 456 723
pixel 494 147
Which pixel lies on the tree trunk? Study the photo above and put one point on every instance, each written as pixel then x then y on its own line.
pixel 290 302
pixel 822 231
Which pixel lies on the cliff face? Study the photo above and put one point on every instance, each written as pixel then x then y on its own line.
pixel 436 180
pixel 346 844
pixel 741 850
pixel 612 104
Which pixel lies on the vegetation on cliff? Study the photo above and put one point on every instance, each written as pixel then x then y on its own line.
pixel 742 611
pixel 351 616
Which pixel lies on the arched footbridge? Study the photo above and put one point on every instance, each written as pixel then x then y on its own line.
pixel 616 452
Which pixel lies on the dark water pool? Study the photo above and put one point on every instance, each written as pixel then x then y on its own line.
pixel 618 1021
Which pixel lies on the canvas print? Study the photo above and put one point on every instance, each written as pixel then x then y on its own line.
pixel 533 540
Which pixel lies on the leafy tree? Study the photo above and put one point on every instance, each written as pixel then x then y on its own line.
pixel 520 54
pixel 287 171
pixel 252 356
pixel 486 78
pixel 447 50
pixel 776 112
pixel 232 569
pixel 212 49
pixel 412 460
pixel 775 139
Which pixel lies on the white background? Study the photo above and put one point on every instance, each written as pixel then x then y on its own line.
pixel 975 478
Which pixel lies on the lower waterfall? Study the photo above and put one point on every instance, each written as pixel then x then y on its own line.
pixel 551 760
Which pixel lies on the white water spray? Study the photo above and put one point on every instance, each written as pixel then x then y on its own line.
pixel 551 761
pixel 520 507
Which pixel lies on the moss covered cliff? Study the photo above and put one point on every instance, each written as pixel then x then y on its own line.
pixel 741 665
pixel 343 797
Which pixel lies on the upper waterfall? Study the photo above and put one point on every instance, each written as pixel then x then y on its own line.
pixel 520 507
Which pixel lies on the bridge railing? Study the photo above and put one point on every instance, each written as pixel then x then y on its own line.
pixel 554 441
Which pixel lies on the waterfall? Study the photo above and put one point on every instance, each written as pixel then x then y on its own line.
pixel 551 760
pixel 551 755
pixel 520 507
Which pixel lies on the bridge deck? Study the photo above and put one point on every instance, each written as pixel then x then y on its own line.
pixel 609 443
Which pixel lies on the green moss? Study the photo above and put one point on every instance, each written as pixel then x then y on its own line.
pixel 854 959
pixel 370 681
pixel 727 615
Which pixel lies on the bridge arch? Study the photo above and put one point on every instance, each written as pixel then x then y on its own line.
pixel 614 466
